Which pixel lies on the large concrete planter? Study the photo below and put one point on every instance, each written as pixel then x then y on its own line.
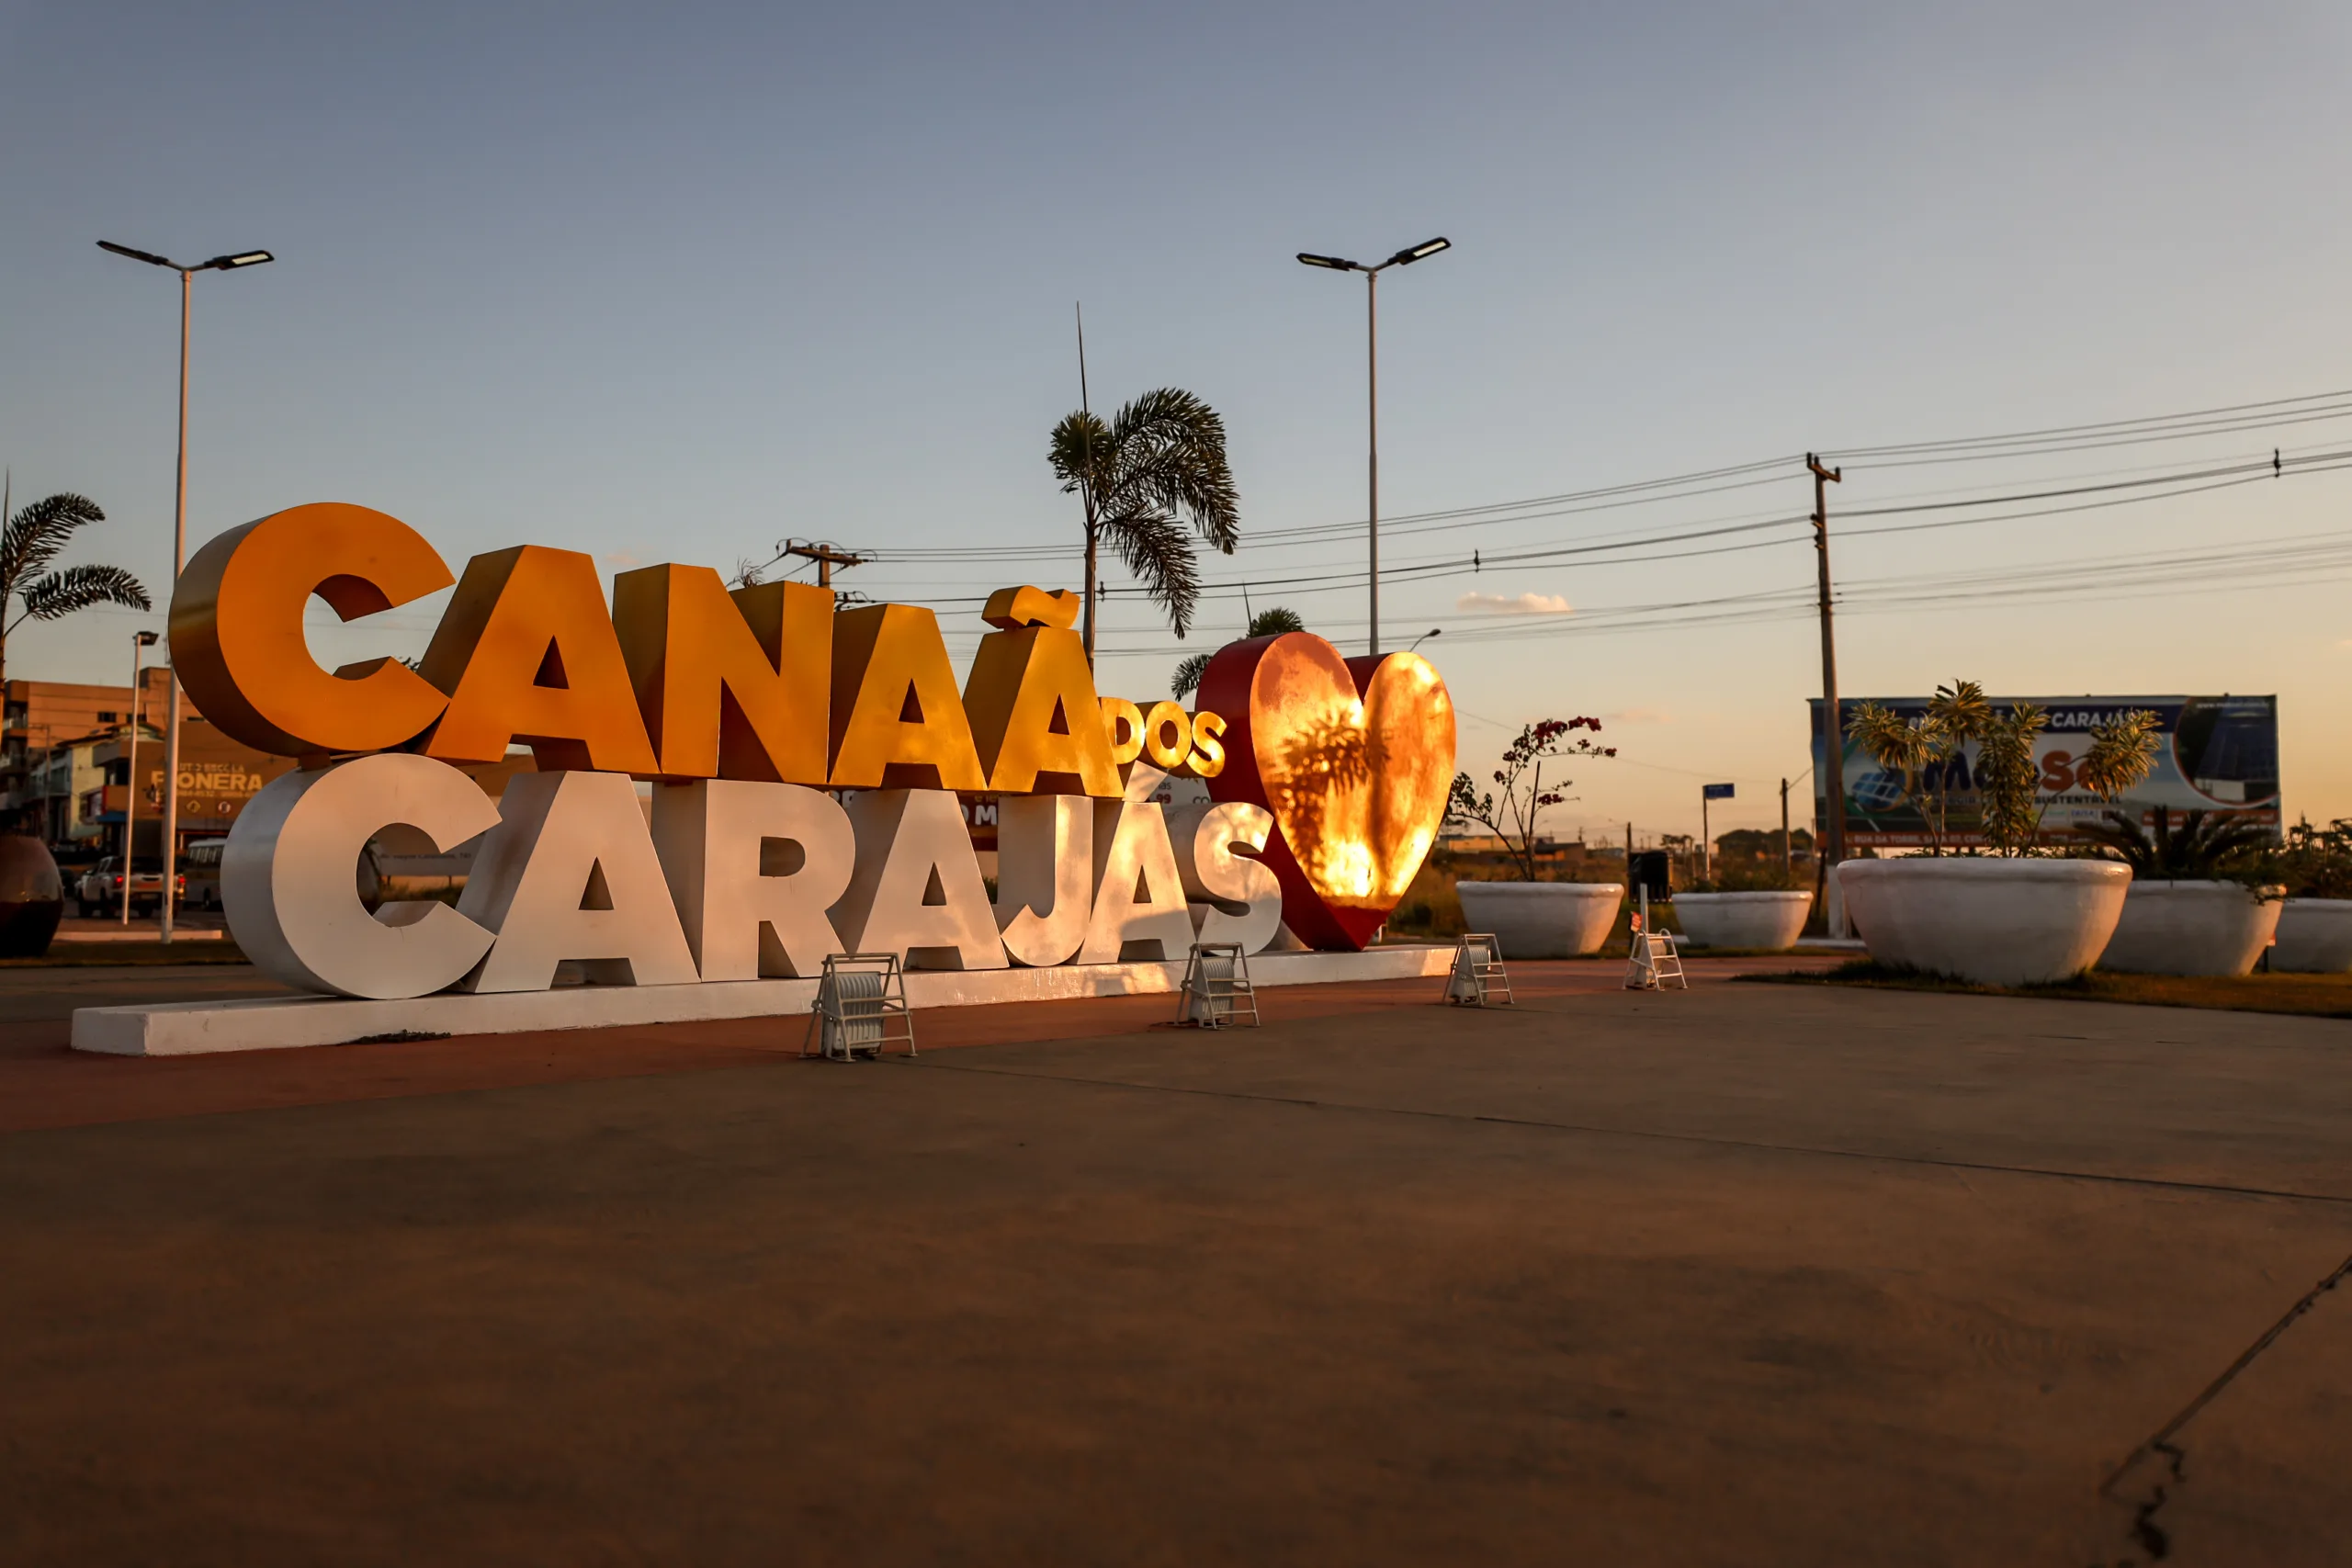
pixel 2191 928
pixel 1765 921
pixel 1543 920
pixel 32 896
pixel 2314 937
pixel 1995 922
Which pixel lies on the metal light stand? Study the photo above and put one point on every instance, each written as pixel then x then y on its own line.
pixel 1217 992
pixel 1652 961
pixel 861 1008
pixel 1478 976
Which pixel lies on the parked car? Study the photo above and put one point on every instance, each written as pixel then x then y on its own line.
pixel 100 893
pixel 200 881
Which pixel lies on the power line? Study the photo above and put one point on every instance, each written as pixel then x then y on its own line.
pixel 2048 441
pixel 2174 484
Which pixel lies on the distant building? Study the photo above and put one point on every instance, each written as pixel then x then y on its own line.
pixel 70 766
pixel 218 777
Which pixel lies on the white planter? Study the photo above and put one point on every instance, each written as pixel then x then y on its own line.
pixel 1995 922
pixel 2190 927
pixel 2314 937
pixel 1767 920
pixel 1543 920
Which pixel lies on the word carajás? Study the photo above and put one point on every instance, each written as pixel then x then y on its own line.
pixel 744 707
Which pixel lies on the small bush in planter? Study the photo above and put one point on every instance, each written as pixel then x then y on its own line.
pixel 1529 918
pixel 2314 865
pixel 1925 753
pixel 2199 901
pixel 1920 752
pixel 2012 916
pixel 2314 862
pixel 1520 778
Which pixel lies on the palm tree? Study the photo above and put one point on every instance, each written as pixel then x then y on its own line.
pixel 2204 848
pixel 1269 622
pixel 1164 454
pixel 33 538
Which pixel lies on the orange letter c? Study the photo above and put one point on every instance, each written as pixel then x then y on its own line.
pixel 236 629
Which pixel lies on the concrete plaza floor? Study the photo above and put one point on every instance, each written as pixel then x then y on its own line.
pixel 1748 1275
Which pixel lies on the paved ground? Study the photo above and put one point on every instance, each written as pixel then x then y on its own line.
pixel 1749 1275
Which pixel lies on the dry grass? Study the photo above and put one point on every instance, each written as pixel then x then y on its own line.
pixel 2314 995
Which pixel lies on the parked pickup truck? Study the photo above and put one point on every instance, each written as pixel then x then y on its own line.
pixel 100 893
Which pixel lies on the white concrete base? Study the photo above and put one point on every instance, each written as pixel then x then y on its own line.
pixel 183 1029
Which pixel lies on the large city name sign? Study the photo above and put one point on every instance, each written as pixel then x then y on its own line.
pixel 756 712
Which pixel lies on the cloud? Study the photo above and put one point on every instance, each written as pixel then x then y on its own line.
pixel 1508 604
pixel 625 559
pixel 1639 715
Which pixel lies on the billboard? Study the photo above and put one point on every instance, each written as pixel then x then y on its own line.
pixel 2214 754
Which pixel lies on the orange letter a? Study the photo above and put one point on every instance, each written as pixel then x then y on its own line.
pixel 527 653
pixel 896 720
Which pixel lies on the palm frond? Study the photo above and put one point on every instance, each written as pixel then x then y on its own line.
pixel 78 588
pixel 1187 679
pixel 1156 547
pixel 36 533
pixel 1273 621
pixel 2122 752
pixel 1169 451
pixel 2203 847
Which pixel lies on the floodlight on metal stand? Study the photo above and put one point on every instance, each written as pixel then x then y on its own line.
pixel 1478 976
pixel 1217 992
pixel 1652 961
pixel 861 1009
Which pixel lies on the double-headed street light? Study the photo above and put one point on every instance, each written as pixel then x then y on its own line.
pixel 1372 360
pixel 179 555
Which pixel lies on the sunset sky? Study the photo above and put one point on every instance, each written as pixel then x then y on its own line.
pixel 673 283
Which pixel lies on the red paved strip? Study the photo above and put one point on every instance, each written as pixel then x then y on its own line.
pixel 44 1083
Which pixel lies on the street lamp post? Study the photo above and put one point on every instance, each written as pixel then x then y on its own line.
pixel 139 643
pixel 179 555
pixel 1433 631
pixel 1371 386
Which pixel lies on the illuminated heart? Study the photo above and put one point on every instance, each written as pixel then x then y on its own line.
pixel 1353 756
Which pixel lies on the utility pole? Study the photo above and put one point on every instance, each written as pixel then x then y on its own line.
pixel 826 557
pixel 1706 842
pixel 1372 441
pixel 1785 863
pixel 1833 734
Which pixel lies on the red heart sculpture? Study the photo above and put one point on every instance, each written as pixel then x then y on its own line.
pixel 1353 757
